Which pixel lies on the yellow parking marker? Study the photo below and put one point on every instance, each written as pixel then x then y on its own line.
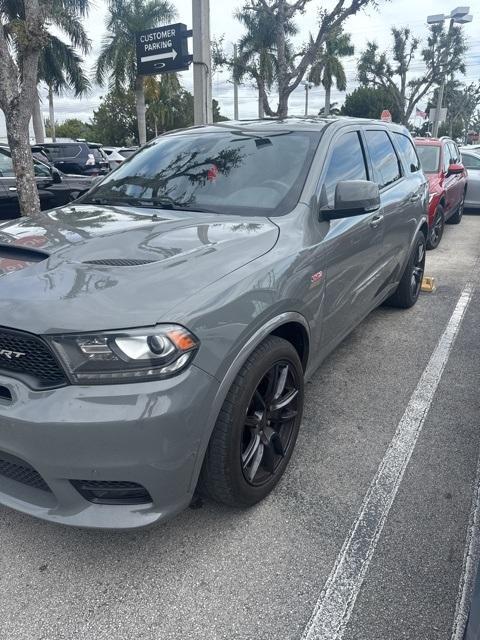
pixel 428 284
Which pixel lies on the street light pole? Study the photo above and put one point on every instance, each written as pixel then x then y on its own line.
pixel 459 15
pixel 308 86
pixel 235 85
pixel 202 63
pixel 441 90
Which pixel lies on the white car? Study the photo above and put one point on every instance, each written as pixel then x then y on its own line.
pixel 114 158
pixel 471 162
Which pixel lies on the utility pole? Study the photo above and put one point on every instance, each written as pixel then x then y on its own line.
pixel 202 62
pixel 235 85
pixel 459 15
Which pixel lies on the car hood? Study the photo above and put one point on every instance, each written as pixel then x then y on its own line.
pixel 84 267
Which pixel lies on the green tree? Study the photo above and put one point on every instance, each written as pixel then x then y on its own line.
pixel 61 68
pixel 257 56
pixel 115 121
pixel 292 62
pixel 117 59
pixel 391 70
pixel 71 128
pixel 328 66
pixel 23 36
pixel 369 102
pixel 217 116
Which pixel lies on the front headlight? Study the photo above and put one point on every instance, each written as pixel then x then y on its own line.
pixel 126 356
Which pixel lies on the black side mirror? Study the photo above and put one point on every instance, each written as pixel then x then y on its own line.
pixel 353 198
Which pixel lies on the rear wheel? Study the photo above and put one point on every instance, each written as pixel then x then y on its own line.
pixel 408 290
pixel 457 216
pixel 257 428
pixel 436 231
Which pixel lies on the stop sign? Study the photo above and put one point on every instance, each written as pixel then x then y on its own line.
pixel 386 116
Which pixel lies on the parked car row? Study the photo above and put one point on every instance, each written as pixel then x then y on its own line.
pixel 55 188
pixel 63 171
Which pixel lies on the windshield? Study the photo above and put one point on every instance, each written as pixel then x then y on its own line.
pixel 429 157
pixel 233 172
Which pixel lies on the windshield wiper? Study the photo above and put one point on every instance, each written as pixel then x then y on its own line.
pixel 160 202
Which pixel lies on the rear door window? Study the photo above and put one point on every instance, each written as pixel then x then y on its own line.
pixel 383 156
pixel 407 152
pixel 57 152
pixel 347 162
pixel 471 161
pixel 6 166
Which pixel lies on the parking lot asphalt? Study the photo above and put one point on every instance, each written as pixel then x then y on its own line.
pixel 219 573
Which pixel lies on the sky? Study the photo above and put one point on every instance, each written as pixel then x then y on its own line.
pixel 372 24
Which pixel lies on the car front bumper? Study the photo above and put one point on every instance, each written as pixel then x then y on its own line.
pixel 147 433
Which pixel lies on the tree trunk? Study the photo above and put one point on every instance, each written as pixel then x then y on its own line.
pixel 51 111
pixel 261 112
pixel 283 96
pixel 140 105
pixel 328 90
pixel 19 143
pixel 18 85
pixel 38 120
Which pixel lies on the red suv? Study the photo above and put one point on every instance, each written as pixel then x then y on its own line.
pixel 447 182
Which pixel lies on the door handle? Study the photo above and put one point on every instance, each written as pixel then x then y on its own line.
pixel 376 220
pixel 415 197
pixel 12 188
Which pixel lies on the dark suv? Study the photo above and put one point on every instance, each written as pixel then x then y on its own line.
pixel 155 336
pixel 81 158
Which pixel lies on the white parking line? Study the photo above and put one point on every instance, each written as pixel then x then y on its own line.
pixel 337 599
pixel 470 562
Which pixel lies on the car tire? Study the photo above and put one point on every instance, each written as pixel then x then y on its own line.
pixel 408 289
pixel 436 232
pixel 257 427
pixel 457 216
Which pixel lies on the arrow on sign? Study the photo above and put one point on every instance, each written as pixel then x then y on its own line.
pixel 160 56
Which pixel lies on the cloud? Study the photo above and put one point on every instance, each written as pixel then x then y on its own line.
pixel 371 24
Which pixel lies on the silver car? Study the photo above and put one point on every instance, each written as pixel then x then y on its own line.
pixel 156 334
pixel 471 162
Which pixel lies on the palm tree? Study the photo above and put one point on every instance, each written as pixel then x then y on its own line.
pixel 60 66
pixel 257 56
pixel 329 66
pixel 117 58
pixel 159 95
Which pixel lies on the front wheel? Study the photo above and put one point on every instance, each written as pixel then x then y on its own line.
pixel 257 427
pixel 408 289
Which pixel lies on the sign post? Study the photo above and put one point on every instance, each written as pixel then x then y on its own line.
pixel 163 50
pixel 202 62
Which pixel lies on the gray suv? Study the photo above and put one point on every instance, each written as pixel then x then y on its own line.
pixel 156 334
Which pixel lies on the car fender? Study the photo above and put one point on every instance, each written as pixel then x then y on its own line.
pixel 246 350
pixel 422 223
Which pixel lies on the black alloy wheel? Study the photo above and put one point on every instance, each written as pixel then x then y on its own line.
pixel 256 430
pixel 269 423
pixel 417 270
pixel 408 289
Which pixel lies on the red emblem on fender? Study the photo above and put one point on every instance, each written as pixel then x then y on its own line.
pixel 316 277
